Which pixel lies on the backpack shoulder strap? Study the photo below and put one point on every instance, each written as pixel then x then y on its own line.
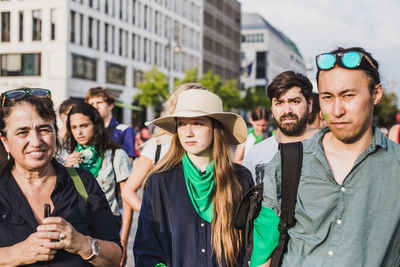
pixel 76 179
pixel 291 163
pixel 158 152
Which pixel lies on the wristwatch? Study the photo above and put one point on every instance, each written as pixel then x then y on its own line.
pixel 95 249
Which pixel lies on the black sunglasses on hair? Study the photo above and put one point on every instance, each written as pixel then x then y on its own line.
pixel 20 93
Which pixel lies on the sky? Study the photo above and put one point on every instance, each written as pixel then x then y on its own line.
pixel 318 26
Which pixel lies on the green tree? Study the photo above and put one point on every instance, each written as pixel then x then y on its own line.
pixel 153 90
pixel 191 76
pixel 227 90
pixel 385 112
pixel 254 97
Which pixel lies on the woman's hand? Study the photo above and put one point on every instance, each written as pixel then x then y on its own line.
pixel 29 251
pixel 64 236
pixel 73 159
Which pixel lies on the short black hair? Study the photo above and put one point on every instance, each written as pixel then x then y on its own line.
pixel 371 72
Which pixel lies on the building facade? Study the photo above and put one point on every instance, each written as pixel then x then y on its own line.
pixel 70 46
pixel 221 38
pixel 265 52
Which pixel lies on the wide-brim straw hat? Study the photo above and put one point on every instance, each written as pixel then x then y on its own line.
pixel 196 103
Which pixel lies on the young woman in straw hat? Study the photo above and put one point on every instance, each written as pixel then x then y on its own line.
pixel 191 196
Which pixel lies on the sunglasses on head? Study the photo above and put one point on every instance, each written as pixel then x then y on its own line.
pixel 20 93
pixel 350 60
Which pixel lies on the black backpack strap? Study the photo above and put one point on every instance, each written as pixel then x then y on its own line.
pixel 291 162
pixel 158 152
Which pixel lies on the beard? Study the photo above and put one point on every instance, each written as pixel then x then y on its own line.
pixel 295 128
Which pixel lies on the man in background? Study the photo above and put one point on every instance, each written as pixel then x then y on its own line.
pixel 291 104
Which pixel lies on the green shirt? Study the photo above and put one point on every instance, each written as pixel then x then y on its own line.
pixel 353 224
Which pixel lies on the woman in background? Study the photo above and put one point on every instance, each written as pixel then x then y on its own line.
pixel 91 148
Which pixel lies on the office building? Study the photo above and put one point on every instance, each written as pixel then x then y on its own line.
pixel 70 46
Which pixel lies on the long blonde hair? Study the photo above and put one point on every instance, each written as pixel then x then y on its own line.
pixel 226 240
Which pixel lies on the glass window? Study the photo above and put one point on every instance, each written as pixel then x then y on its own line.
pixel 138 77
pixel 72 33
pixel 112 39
pixel 5 26
pixel 120 42
pixel 261 64
pixel 115 73
pixel 98 35
pixel 20 64
pixel 145 50
pixel 133 11
pixel 133 45
pixel 105 37
pixel 21 26
pixel 84 67
pixel 106 6
pixel 120 9
pixel 81 29
pixel 90 32
pixel 36 25
pixel 52 24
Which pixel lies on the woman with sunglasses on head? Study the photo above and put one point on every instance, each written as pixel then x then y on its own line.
pixel 44 219
pixel 190 198
pixel 91 148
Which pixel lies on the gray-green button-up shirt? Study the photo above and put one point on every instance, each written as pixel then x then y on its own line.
pixel 353 224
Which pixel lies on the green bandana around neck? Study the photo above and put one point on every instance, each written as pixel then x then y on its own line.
pixel 259 138
pixel 91 160
pixel 200 186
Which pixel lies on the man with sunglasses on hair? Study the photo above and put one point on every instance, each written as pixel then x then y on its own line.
pixel 347 211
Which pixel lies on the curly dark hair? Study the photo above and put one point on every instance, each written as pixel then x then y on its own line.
pixel 101 137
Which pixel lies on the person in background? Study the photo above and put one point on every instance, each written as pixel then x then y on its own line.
pixel 256 134
pixel 347 211
pixel 316 119
pixel 78 232
pixel 102 99
pixel 154 150
pixel 394 131
pixel 190 198
pixel 91 148
pixel 291 104
pixel 63 110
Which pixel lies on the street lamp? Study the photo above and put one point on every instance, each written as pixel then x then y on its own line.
pixel 175 50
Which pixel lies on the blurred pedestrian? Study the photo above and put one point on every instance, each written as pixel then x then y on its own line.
pixel 257 133
pixel 63 110
pixel 190 198
pixel 316 119
pixel 80 231
pixel 102 99
pixel 92 149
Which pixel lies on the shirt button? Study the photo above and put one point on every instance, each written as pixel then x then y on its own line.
pixel 202 224
pixel 343 189
pixel 339 221
pixel 4 216
pixel 330 253
pixel 203 250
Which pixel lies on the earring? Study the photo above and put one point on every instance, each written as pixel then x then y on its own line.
pixel 8 156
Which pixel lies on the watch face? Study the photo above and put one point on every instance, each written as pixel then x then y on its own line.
pixel 95 247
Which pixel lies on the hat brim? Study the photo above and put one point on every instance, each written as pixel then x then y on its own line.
pixel 232 122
